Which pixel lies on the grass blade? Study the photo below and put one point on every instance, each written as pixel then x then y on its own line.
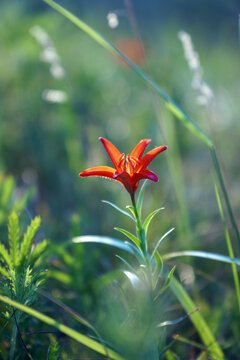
pixel 202 254
pixel 201 326
pixel 90 343
pixel 229 245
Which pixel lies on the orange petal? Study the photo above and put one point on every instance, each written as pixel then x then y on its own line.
pixel 105 171
pixel 147 174
pixel 150 156
pixel 112 151
pixel 126 180
pixel 139 148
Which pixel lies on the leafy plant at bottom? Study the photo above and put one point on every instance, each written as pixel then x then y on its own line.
pixel 20 279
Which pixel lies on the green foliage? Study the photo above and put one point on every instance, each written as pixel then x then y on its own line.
pixel 132 237
pixel 7 203
pixel 13 237
pixel 149 219
pixel 20 282
pixel 27 240
pixel 54 351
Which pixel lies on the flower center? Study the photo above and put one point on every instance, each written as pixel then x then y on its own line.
pixel 128 164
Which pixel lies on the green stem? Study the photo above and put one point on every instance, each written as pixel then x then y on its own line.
pixel 140 231
pixel 13 342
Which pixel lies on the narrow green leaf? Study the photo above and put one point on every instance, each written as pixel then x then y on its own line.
pixel 90 343
pixel 104 240
pixel 166 284
pixel 125 262
pixel 202 254
pixel 5 257
pixel 4 272
pixel 131 209
pixel 120 210
pixel 140 198
pixel 176 321
pixel 201 326
pixel 129 235
pixel 60 276
pixel 229 244
pixel 158 268
pixel 159 242
pixel 37 251
pixel 28 238
pixel 13 236
pixel 149 218
pixel 7 189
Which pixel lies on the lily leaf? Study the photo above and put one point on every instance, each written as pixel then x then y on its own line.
pixel 131 209
pixel 105 240
pixel 160 240
pixel 125 263
pixel 119 209
pixel 129 235
pixel 149 218
pixel 158 269
pixel 166 284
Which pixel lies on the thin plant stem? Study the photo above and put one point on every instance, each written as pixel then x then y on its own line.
pixel 20 336
pixel 140 231
pixel 229 245
pixel 13 342
pixel 224 192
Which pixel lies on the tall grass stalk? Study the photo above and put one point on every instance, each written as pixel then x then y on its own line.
pixel 229 245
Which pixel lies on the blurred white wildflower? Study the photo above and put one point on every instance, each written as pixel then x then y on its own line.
pixel 206 95
pixel 49 53
pixel 54 96
pixel 113 20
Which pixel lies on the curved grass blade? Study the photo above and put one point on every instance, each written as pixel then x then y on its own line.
pixel 90 343
pixel 126 263
pixel 129 235
pixel 149 218
pixel 201 326
pixel 229 245
pixel 176 321
pixel 202 254
pixel 159 242
pixel 170 103
pixel 104 240
pixel 119 209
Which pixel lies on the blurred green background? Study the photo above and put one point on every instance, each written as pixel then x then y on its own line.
pixel 60 91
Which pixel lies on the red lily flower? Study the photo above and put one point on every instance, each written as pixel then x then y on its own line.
pixel 130 170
